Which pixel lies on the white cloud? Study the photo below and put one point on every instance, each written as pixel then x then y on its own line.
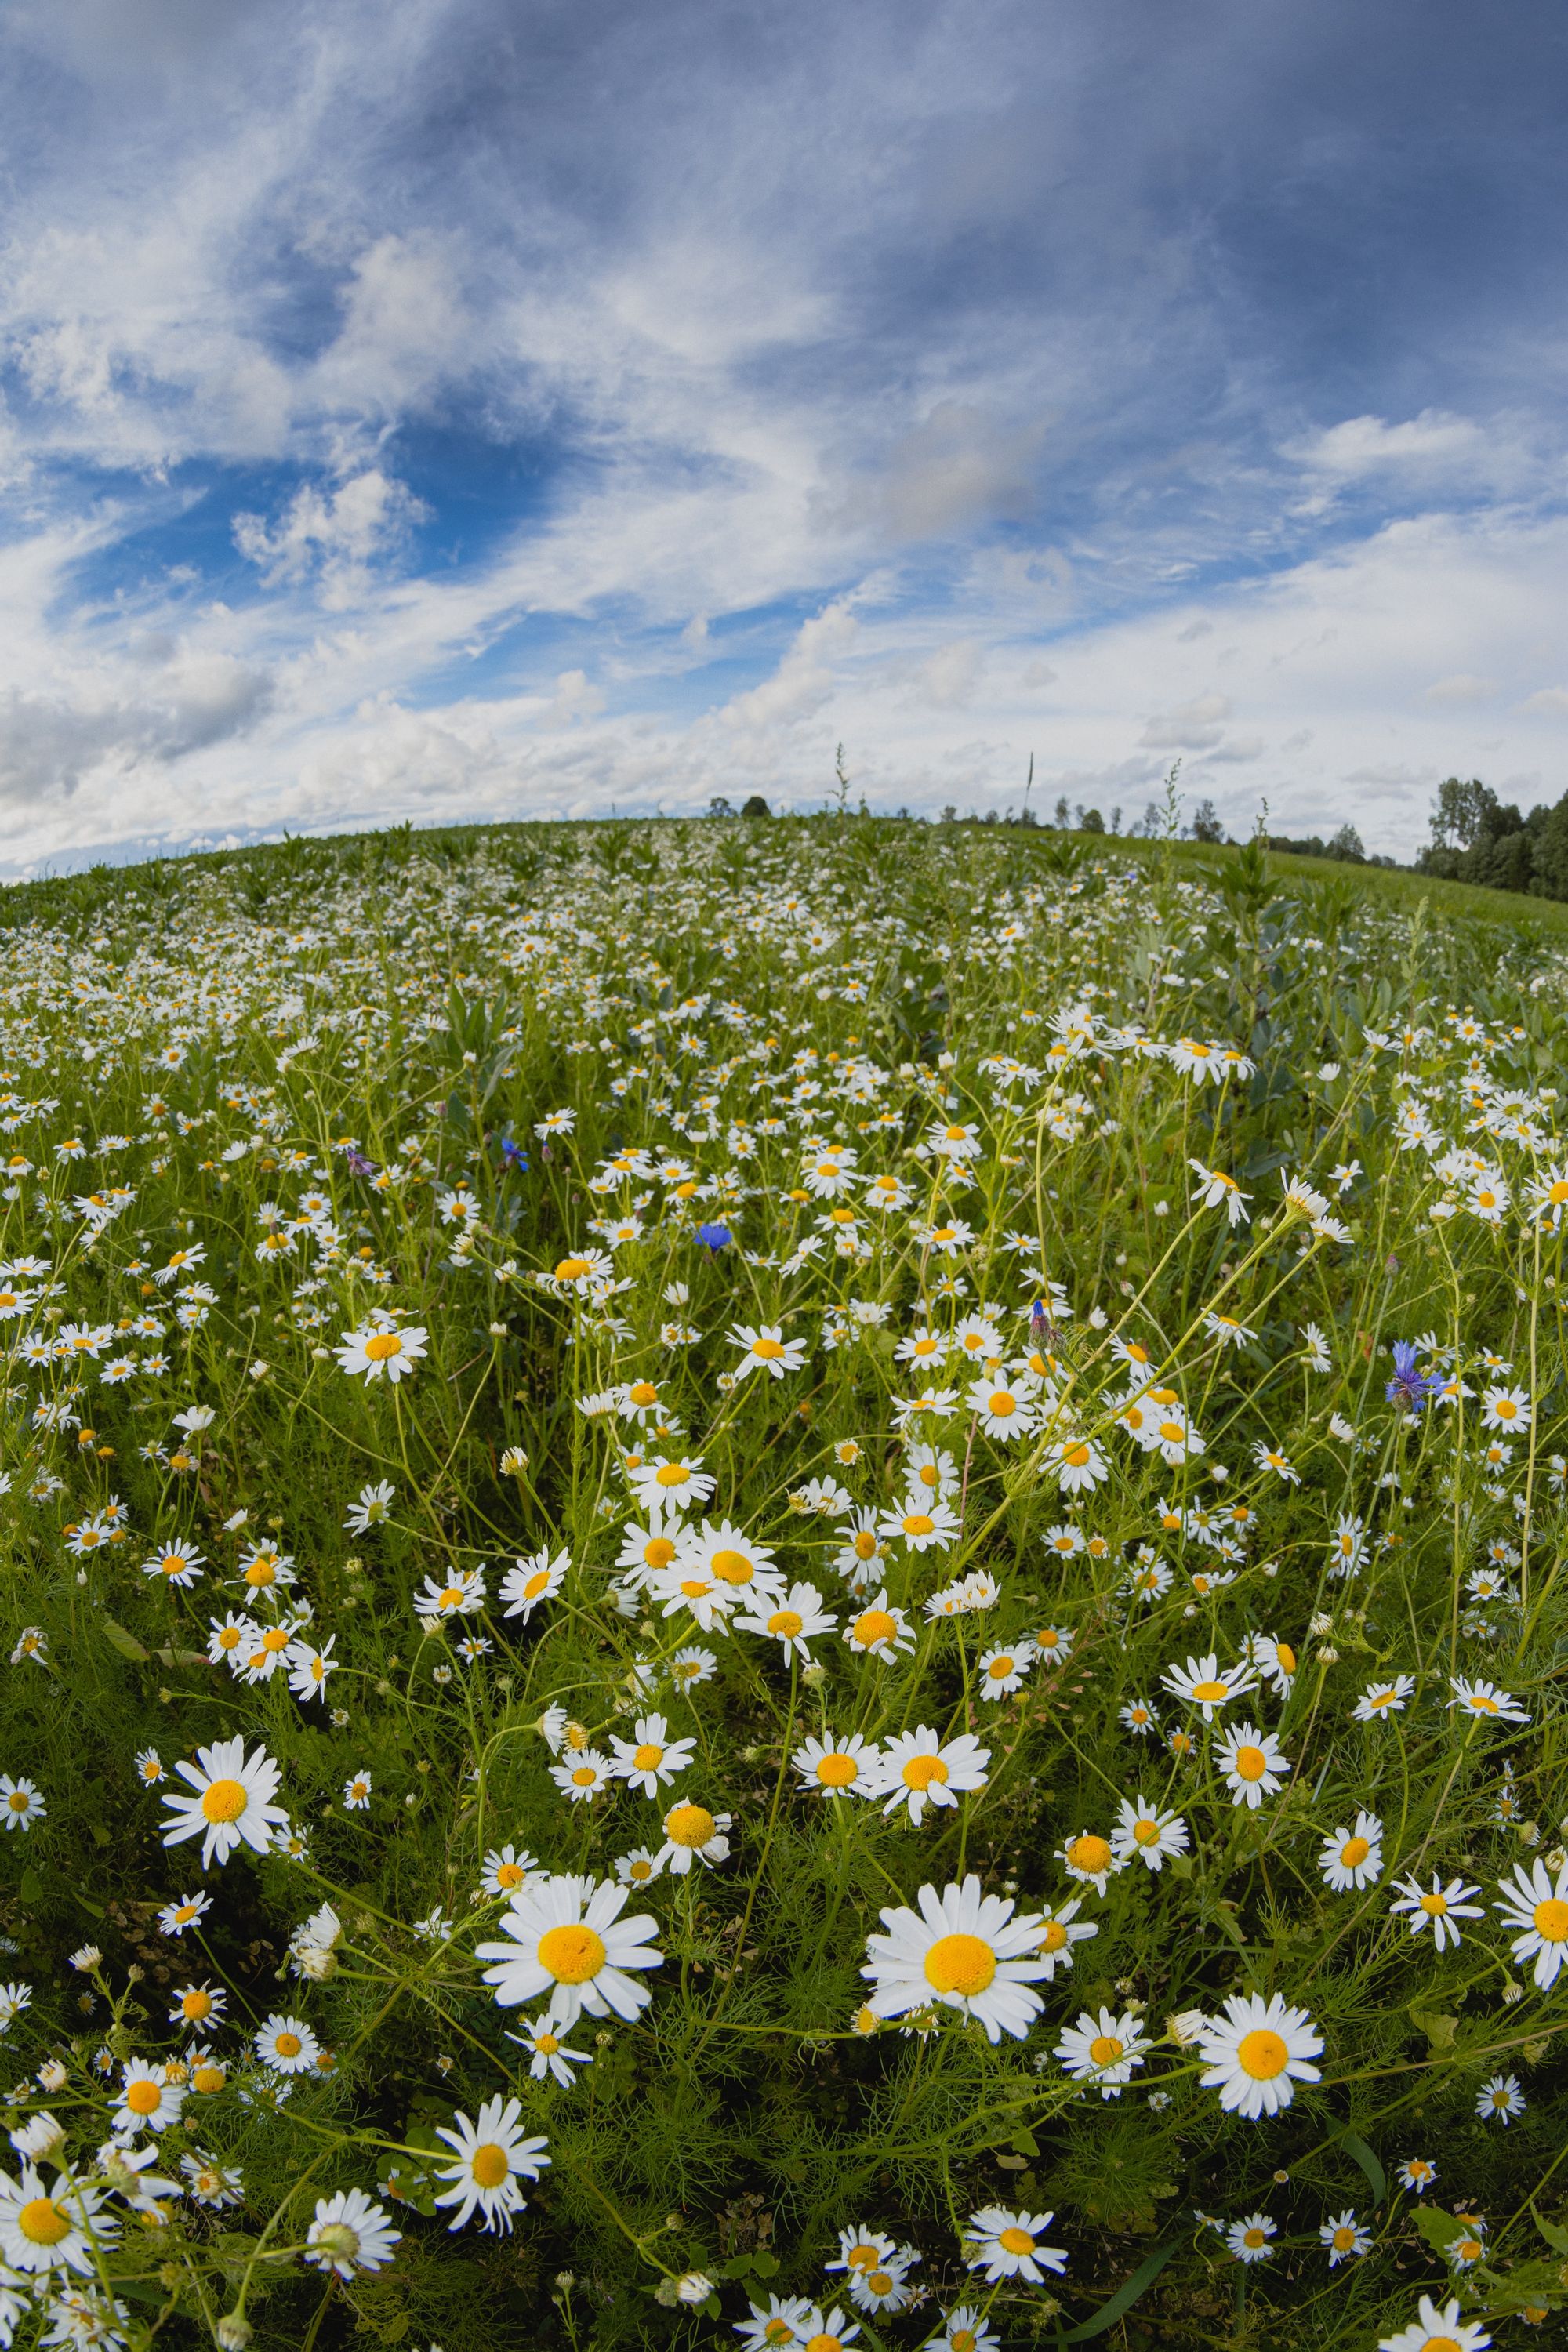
pixel 1194 725
pixel 333 536
pixel 1462 686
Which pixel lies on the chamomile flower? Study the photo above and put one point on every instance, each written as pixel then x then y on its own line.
pixel 916 1768
pixel 838 1768
pixel 1351 1859
pixel 380 1350
pixel 1255 2053
pixel 22 1803
pixel 1004 2245
pixel 1345 2238
pixel 1000 1672
pixel 505 1870
pixel 878 1631
pixel 1537 1903
pixel 350 2233
pixel 1499 2099
pixel 1144 1832
pixel 1379 1700
pixel 1437 2327
pixel 529 1583
pixel 1103 2049
pixel 792 1620
pixel 672 1482
pixel 1485 1701
pixel 1203 1685
pixel 765 1349
pixel 232 1803
pixel 286 2045
pixel 1089 1858
pixel 548 2052
pixel 1060 1929
pixel 965 2329
pixel 185 1911
pixel 693 1834
pixel 567 1936
pixel 1439 1907
pixel 53 2227
pixel 1252 1765
pixel 149 2098
pixel 959 1950
pixel 650 1759
pixel 583 1776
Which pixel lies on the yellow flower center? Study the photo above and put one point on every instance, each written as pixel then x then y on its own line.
pixel 785 1623
pixel 689 1825
pixel 1435 1905
pixel 1105 2050
pixel 1262 2054
pixel 732 1567
pixel 531 1590
pixel 261 1572
pixel 960 1964
pixel 1014 2241
pixel 225 1800
pixel 41 2222
pixel 197 2003
pixel 1250 1763
pixel 864 1545
pixel 1090 1854
pixel 1003 1402
pixel 488 2164
pixel 1551 1919
pixel 572 1953
pixel 1075 1456
pixel 642 1393
pixel 922 1770
pixel 1055 1938
pixel 838 1771
pixel 1354 1851
pixel 658 1551
pixel 143 2098
pixel 917 1523
pixel 287 2045
pixel 874 1625
pixel 584 1776
pixel 768 1349
pixel 383 1344
pixel 671 1473
pixel 1146 1832
pixel 823 2343
pixel 1000 1668
pixel 572 1269
pixel 648 1757
pixel 1286 1657
pixel 511 1874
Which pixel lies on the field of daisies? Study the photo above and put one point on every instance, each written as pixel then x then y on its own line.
pixel 786 1585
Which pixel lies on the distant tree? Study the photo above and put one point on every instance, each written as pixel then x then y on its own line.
pixel 1463 813
pixel 1089 820
pixel 1476 837
pixel 719 806
pixel 1347 844
pixel 1064 815
pixel 1205 825
pixel 756 806
pixel 1116 819
pixel 950 814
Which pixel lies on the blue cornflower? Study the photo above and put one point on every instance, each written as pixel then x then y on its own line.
pixel 714 1237
pixel 512 1154
pixel 1410 1388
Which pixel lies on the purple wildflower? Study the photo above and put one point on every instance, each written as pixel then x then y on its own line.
pixel 1410 1388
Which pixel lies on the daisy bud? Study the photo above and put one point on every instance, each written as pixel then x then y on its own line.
pixel 233 2331
pixel 1184 2026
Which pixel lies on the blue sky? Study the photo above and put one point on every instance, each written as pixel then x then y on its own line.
pixel 478 409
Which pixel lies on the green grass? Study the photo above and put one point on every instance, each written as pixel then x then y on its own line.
pixel 262 1101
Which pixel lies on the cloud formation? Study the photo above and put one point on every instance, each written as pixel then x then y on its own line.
pixel 445 407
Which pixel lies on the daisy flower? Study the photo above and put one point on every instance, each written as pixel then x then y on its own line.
pixel 1059 1931
pixel 1202 1684
pixel 1142 1829
pixel 651 1759
pixel 530 1581
pixel 779 2329
pixel 1000 1672
pixel 1138 1717
pixel 860 2249
pixel 690 1586
pixel 878 1631
pixel 638 1868
pixel 1437 1907
pixel 549 2054
pixel 356 1793
pixel 1053 1644
pixel 963 1951
pixel 1089 1858
pixel 1437 2328
pixel 920 1522
pixel 827 2331
pixel 1249 2240
pixel 45 2229
pixel 1269 1457
pixel 21 1804
pixel 765 1349
pixel 965 2330
pixel 1103 2049
pixel 1251 1764
pixel 1416 2175
pixel 1077 1464
pixel 1275 1662
pixel 378 1351
pixel 1538 1903
pixel 1379 1700
pixel 644 1552
pixel 373 1509
pixel 1500 2099
pixel 1004 1409
pixel 582 1776
pixel 182 1913
pixel 1351 1859
pixel 147 2098
pixel 916 1768
pixel 1485 1700
pixel 1007 2245
pixel 1255 2053
pixel 1345 2238
pixel 838 1768
pixel 492 2157
pixel 567 1936
pixel 287 2046
pixel 691 1833
pixel 747 1570
pixel 232 1804
pixel 461 1594
pixel 672 1482
pixel 350 2233
pixel 178 1564
pixel 1505 1409
pixel 505 1870
pixel 792 1622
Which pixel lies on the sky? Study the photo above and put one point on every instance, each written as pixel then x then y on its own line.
pixel 448 409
